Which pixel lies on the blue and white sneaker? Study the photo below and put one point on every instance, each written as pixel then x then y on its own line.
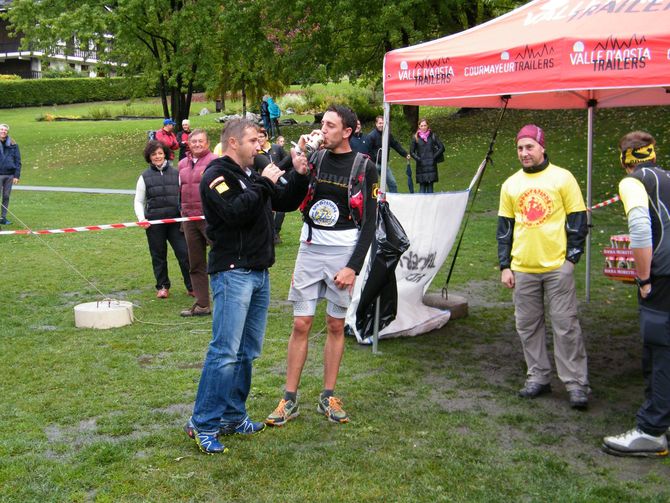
pixel 244 427
pixel 209 442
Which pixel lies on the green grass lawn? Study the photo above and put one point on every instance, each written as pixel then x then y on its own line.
pixel 96 415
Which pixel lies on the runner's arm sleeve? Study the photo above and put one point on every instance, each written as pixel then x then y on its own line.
pixel 505 235
pixel 639 227
pixel 576 228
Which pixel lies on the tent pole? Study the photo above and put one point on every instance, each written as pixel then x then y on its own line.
pixel 385 151
pixel 589 189
pixel 381 197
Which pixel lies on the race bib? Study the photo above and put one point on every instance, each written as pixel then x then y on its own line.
pixel 324 213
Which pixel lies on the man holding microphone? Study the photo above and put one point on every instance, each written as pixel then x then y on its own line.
pixel 237 204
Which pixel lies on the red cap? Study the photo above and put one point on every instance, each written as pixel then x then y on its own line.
pixel 533 132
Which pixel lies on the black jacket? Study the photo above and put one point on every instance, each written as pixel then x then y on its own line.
pixel 238 210
pixel 425 154
pixel 375 145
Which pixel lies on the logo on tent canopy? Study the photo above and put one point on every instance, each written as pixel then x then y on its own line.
pixel 612 54
pixel 428 71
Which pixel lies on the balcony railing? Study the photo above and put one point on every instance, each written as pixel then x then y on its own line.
pixel 6 47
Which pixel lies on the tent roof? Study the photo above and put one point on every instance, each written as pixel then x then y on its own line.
pixel 545 54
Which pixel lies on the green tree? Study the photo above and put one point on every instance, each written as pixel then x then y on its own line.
pixel 348 38
pixel 243 59
pixel 163 40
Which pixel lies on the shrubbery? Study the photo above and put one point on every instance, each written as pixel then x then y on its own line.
pixel 317 99
pixel 25 93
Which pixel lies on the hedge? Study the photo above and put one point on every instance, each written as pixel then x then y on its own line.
pixel 27 93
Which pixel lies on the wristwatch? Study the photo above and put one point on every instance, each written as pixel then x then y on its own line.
pixel 642 282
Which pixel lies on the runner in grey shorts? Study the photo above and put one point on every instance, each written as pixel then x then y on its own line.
pixel 338 226
pixel 315 269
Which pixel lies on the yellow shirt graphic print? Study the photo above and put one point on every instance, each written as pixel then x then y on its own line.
pixel 535 207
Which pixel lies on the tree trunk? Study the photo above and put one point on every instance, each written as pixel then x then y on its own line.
pixel 411 113
pixel 244 99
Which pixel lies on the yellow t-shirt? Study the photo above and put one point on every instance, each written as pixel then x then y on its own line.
pixel 632 194
pixel 539 204
pixel 218 150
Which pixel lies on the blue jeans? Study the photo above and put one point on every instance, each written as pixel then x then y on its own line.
pixel 391 184
pixel 241 301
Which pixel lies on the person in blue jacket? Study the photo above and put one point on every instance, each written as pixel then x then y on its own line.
pixel 275 113
pixel 10 168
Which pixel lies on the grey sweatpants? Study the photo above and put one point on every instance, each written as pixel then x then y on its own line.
pixel 558 286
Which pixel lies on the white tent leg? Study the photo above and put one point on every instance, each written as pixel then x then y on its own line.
pixel 589 189
pixel 382 196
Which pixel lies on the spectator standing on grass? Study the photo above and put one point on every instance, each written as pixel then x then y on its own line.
pixel 645 193
pixel 272 153
pixel 265 113
pixel 10 169
pixel 339 225
pixel 275 113
pixel 238 203
pixel 427 150
pixel 167 137
pixel 359 141
pixel 375 146
pixel 541 233
pixel 182 137
pixel 157 198
pixel 191 169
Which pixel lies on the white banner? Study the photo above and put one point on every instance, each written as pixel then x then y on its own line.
pixel 431 222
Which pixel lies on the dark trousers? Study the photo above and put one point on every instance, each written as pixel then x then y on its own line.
pixel 279 221
pixel 275 128
pixel 196 241
pixel 426 188
pixel 6 184
pixel 654 415
pixel 158 237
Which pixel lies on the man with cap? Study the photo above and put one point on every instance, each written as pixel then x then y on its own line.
pixel 645 193
pixel 166 136
pixel 542 227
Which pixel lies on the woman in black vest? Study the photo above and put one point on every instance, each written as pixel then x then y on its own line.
pixel 427 150
pixel 156 198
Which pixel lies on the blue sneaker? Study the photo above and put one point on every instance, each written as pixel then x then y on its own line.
pixel 209 442
pixel 244 427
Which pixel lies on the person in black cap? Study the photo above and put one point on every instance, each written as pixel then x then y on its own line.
pixel 542 227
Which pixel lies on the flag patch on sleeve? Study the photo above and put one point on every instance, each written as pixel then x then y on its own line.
pixel 219 184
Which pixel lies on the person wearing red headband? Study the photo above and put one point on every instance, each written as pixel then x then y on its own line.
pixel 542 227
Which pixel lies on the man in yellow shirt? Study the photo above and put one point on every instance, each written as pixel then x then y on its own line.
pixel 645 194
pixel 542 226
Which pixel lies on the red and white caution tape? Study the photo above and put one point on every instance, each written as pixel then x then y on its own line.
pixel 606 203
pixel 106 226
pixel 175 220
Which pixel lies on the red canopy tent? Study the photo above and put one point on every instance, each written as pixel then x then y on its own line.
pixel 545 54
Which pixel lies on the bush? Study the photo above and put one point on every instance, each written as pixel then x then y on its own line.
pixel 359 99
pixel 295 101
pixel 26 93
pixel 9 77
